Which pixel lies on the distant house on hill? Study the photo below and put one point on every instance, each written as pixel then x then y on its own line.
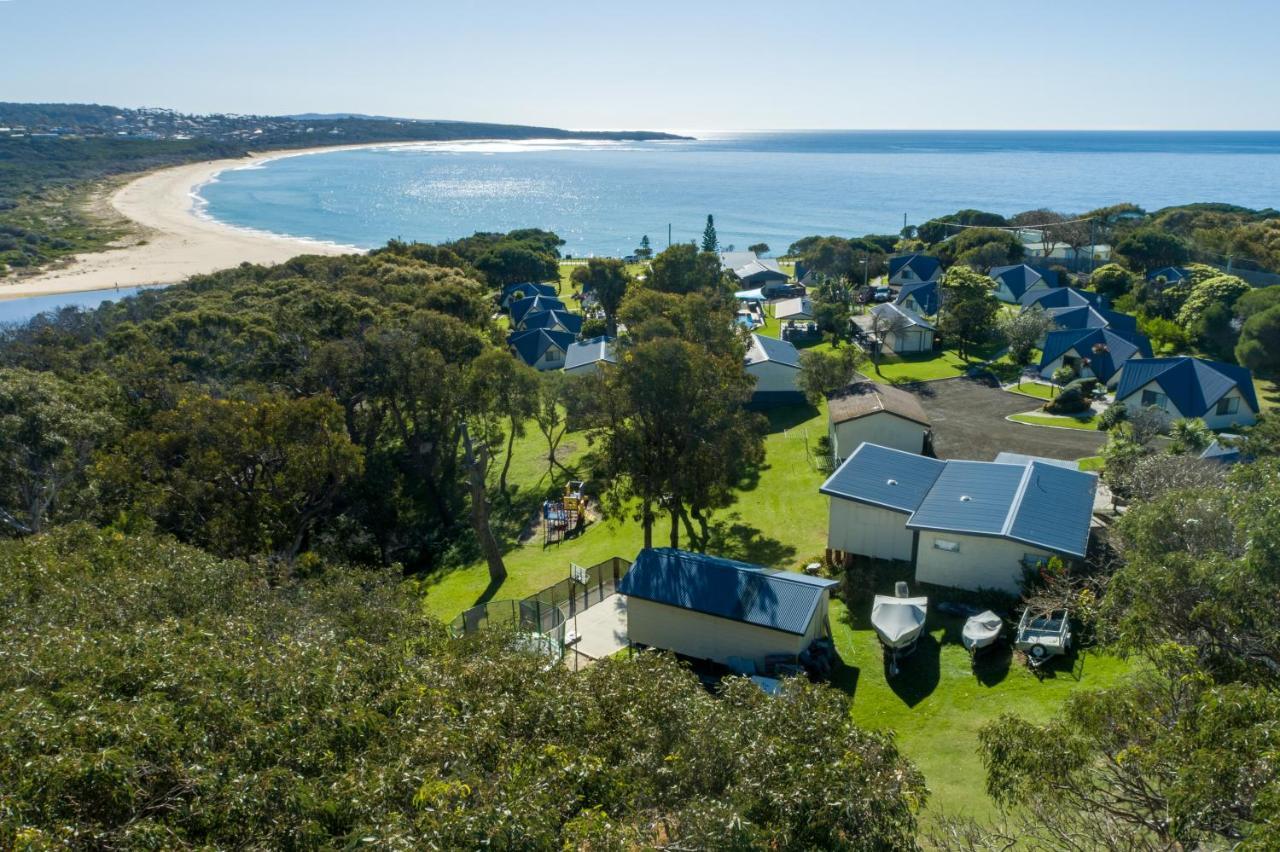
pixel 867 412
pixel 729 612
pixel 963 524
pixel 1014 282
pixel 754 272
pixel 1094 353
pixel 1170 274
pixel 913 269
pixel 520 307
pixel 552 321
pixel 514 292
pixel 588 356
pixel 775 365
pixel 921 298
pixel 541 349
pixel 1222 395
pixel 907 332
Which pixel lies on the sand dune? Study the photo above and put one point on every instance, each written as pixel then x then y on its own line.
pixel 175 242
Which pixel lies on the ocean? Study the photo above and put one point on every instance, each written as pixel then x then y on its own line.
pixel 24 309
pixel 770 187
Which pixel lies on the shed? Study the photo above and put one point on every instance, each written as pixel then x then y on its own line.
pixel 902 331
pixel 711 608
pixel 775 365
pixel 867 412
pixel 794 309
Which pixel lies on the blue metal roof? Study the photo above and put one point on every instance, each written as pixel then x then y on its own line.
pixel 520 307
pixel 1193 385
pixel 1105 363
pixel 764 348
pixel 1063 297
pixel 971 497
pixel 529 289
pixel 1020 277
pixel 1171 274
pixel 924 266
pixel 1053 509
pixel 1223 453
pixel 739 591
pixel 925 294
pixel 885 477
pixel 550 319
pixel 590 352
pixel 531 345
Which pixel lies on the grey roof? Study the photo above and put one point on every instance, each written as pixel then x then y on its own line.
pixel 589 352
pixel 885 477
pixel 1034 502
pixel 726 588
pixel 1023 459
pixel 747 265
pixel 772 349
pixel 801 308
pixel 910 316
pixel 1194 385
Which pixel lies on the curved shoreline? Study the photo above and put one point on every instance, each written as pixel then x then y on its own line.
pixel 174 240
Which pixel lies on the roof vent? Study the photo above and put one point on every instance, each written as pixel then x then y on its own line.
pixel 891 482
pixel 965 498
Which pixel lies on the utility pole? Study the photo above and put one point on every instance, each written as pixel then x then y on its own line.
pixel 1093 249
pixel 668 235
pixel 480 511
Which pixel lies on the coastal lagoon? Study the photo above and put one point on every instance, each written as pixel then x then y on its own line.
pixel 762 187
pixel 26 308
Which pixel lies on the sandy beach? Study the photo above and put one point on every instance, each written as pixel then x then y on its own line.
pixel 174 242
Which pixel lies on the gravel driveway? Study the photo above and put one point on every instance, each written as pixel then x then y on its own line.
pixel 968 423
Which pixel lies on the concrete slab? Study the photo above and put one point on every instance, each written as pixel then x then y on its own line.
pixel 603 628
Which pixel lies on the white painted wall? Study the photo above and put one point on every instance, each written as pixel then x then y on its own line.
pixel 772 377
pixel 707 637
pixel 981 563
pixel 552 359
pixel 888 430
pixel 1244 415
pixel 914 339
pixel 868 530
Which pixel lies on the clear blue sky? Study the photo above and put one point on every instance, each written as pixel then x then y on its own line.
pixel 695 64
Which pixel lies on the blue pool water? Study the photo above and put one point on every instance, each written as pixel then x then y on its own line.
pixel 770 187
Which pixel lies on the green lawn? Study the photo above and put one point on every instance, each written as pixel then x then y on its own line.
pixel 1093 463
pixel 936 705
pixel 1089 423
pixel 1035 389
pixel 919 368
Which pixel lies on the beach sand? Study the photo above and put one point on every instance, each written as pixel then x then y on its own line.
pixel 173 242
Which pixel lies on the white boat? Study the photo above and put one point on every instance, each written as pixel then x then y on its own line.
pixel 981 631
pixel 898 621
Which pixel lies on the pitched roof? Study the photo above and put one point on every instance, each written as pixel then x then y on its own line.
pixel 885 477
pixel 925 267
pixel 862 398
pixel 531 345
pixel 1193 385
pixel 591 351
pixel 726 588
pixel 1063 297
pixel 1171 274
pixel 925 294
pixel 772 349
pixel 1223 453
pixel 520 307
pixel 1038 504
pixel 1024 459
pixel 1020 277
pixel 1105 363
pixel 747 264
pixel 550 319
pixel 801 308
pixel 529 289
pixel 912 318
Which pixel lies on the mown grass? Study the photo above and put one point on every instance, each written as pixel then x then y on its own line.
pixel 1093 463
pixel 1088 423
pixel 936 705
pixel 1034 389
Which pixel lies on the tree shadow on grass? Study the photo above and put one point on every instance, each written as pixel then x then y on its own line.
pixel 788 417
pixel 731 538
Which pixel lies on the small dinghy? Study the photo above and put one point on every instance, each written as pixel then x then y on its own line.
pixel 898 621
pixel 981 631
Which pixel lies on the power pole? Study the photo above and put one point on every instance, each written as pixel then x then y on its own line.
pixel 668 235
pixel 480 511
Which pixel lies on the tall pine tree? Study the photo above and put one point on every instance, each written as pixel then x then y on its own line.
pixel 709 240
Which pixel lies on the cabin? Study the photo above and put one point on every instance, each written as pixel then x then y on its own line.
pixel 1170 275
pixel 922 298
pixel 755 273
pixel 589 356
pixel 1063 297
pixel 711 608
pixel 1222 395
pixel 902 331
pixel 515 292
pixel 868 412
pixel 1014 282
pixel 775 366
pixel 913 269
pixel 1093 353
pixel 541 349
pixel 552 321
pixel 960 524
pixel 519 308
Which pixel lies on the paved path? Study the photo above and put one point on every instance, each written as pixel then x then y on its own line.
pixel 603 628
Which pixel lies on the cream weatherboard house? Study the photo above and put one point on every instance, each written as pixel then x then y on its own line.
pixel 900 330
pixel 867 412
pixel 775 366
pixel 962 524
pixel 1222 395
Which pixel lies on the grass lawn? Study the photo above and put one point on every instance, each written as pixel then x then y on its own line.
pixel 1089 423
pixel 936 704
pixel 919 368
pixel 1093 463
pixel 1035 389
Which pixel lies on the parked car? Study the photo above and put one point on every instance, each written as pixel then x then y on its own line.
pixel 883 294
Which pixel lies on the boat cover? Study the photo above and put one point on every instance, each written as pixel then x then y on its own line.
pixel 898 621
pixel 982 629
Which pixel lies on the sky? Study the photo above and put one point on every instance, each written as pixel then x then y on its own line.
pixel 691 65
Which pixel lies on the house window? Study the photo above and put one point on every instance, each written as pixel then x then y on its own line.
pixel 948 546
pixel 552 356
pixel 1150 398
pixel 1228 405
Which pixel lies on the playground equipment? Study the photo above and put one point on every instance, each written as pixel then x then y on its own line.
pixel 566 517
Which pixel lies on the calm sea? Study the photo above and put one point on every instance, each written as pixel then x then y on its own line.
pixel 27 308
pixel 770 187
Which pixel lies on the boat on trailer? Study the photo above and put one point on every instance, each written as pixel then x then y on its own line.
pixel 898 620
pixel 981 631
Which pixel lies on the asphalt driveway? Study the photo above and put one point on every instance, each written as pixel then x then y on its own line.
pixel 968 423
